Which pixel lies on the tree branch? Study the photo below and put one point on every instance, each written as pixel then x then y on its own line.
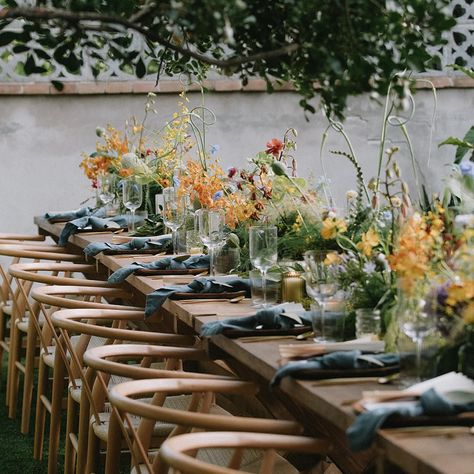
pixel 78 17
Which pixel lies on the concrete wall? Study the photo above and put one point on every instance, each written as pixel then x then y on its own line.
pixel 42 138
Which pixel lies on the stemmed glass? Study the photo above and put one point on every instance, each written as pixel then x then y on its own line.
pixel 132 197
pixel 263 243
pixel 174 212
pixel 321 285
pixel 106 187
pixel 211 232
pixel 416 321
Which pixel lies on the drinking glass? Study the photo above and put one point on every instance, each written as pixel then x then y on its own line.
pixel 416 321
pixel 321 279
pixel 263 247
pixel 106 188
pixel 211 231
pixel 174 212
pixel 132 196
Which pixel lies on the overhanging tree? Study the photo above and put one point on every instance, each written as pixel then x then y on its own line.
pixel 347 47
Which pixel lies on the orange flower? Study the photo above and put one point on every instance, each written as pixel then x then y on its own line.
pixel 126 172
pixel 274 147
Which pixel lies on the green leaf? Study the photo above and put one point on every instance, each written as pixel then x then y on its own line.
pixel 468 71
pixel 8 37
pixel 140 68
pixel 463 146
pixel 58 85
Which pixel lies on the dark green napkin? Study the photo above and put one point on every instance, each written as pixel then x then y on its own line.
pixel 137 243
pixel 268 318
pixel 69 215
pixel 167 263
pixel 155 300
pixel 332 361
pixel 362 432
pixel 95 223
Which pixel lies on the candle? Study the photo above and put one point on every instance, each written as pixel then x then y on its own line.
pixel 292 287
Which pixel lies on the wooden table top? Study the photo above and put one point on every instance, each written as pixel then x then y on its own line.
pixel 413 452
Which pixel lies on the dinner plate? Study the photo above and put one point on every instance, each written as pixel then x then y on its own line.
pixel 234 333
pixel 318 374
pixel 186 271
pixel 204 296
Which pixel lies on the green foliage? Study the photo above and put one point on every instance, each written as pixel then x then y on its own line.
pixel 463 146
pixel 346 47
pixel 153 226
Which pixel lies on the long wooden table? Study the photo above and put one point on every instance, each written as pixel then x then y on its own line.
pixel 322 409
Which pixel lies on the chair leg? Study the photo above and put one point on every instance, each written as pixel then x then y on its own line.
pixel 55 419
pixel 93 447
pixel 70 428
pixel 13 372
pixel 40 410
pixel 83 431
pixel 114 445
pixel 3 335
pixel 31 346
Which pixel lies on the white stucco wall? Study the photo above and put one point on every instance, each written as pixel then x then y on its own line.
pixel 42 137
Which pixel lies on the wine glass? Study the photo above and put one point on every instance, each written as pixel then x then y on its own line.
pixel 263 243
pixel 132 197
pixel 416 321
pixel 174 212
pixel 211 231
pixel 106 187
pixel 322 287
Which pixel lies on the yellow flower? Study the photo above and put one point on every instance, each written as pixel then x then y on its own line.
pixel 370 239
pixel 331 227
pixel 468 313
pixel 332 258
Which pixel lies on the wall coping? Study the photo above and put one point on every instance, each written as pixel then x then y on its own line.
pixel 175 86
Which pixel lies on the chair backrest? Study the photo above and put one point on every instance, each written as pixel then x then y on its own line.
pixel 198 415
pixel 20 237
pixel 77 297
pixel 179 453
pixel 30 272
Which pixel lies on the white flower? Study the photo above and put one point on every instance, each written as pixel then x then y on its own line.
pixel 369 268
pixel 351 194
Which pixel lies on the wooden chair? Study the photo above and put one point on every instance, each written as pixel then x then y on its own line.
pixel 25 274
pixel 182 452
pixel 17 251
pixel 21 237
pixel 52 358
pixel 202 413
pixel 111 364
pixel 89 323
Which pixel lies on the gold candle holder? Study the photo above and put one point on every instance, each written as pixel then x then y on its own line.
pixel 292 287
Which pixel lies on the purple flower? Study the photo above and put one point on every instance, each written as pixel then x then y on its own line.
pixel 218 195
pixel 215 149
pixel 176 181
pixel 467 168
pixel 369 268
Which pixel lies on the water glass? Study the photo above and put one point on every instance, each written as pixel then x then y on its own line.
pixel 263 248
pixel 174 212
pixel 211 231
pixel 132 196
pixel 328 320
pixel 106 187
pixel 321 279
pixel 367 322
pixel 273 288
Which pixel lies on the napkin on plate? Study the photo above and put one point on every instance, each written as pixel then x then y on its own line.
pixel 166 263
pixel 155 300
pixel 69 215
pixel 136 243
pixel 268 318
pixel 365 344
pixel 449 394
pixel 336 360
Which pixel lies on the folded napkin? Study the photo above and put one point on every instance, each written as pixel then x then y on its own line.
pixel 343 360
pixel 268 318
pixel 69 215
pixel 167 263
pixel 137 243
pixel 432 403
pixel 155 300
pixel 95 223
